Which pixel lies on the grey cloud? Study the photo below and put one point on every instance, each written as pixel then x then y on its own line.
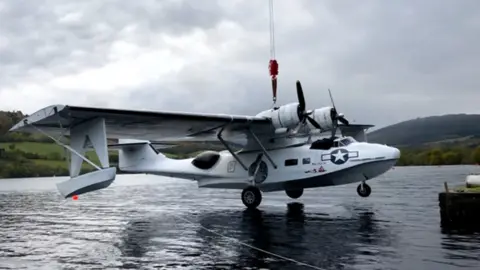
pixel 384 61
pixel 409 58
pixel 42 35
pixel 422 39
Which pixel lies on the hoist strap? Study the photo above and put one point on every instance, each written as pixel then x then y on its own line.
pixel 273 64
pixel 272 31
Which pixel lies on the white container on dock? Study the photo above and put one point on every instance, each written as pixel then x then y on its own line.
pixel 473 180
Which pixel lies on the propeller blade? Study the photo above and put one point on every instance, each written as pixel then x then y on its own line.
pixel 344 121
pixel 333 114
pixel 301 98
pixel 313 122
pixel 334 131
pixel 331 98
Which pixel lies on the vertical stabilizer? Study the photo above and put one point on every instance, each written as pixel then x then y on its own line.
pixel 135 153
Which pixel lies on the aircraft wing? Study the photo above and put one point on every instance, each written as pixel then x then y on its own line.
pixel 145 125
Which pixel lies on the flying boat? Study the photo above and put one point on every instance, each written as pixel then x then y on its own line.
pixel 286 148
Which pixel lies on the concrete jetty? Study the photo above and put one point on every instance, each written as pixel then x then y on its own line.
pixel 460 206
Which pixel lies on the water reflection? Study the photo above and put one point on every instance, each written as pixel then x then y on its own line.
pixel 312 238
pixel 461 246
pixel 136 238
pixel 309 238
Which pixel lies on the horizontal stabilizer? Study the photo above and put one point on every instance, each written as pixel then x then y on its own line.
pixel 354 127
pixel 357 131
pixel 128 143
pixel 124 143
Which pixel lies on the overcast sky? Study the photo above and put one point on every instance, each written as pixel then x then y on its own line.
pixel 385 61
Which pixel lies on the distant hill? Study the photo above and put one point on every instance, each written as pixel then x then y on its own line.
pixel 452 128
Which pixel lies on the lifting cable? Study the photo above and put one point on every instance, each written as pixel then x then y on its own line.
pixel 247 245
pixel 273 64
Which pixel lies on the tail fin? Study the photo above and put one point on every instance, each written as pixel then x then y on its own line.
pixel 133 153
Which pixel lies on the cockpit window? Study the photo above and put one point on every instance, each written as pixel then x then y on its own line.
pixel 345 141
pixel 322 144
pixel 327 143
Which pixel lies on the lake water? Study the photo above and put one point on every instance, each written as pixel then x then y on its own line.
pixel 148 222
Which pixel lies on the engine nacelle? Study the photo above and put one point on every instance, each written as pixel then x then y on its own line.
pixel 323 117
pixel 285 116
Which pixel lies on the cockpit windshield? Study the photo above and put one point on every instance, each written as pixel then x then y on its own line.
pixel 327 143
pixel 345 141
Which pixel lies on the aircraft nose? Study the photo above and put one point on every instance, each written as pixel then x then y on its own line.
pixel 396 152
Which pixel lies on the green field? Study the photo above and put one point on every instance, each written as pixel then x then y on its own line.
pixel 467 189
pixel 34 147
pixel 47 149
pixel 59 163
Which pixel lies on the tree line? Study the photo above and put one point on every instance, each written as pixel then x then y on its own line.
pixel 451 155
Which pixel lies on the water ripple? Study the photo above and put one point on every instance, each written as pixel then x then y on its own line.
pixel 146 222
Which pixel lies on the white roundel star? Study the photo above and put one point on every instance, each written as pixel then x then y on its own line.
pixel 339 156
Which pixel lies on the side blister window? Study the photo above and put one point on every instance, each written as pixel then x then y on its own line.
pixel 291 162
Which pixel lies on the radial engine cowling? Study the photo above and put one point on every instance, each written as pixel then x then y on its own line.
pixel 323 116
pixel 285 116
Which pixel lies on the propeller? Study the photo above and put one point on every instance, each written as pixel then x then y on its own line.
pixel 336 116
pixel 303 114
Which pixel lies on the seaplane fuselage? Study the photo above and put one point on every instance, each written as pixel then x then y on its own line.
pixel 298 167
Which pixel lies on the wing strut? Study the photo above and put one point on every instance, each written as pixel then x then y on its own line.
pixel 263 148
pixel 257 167
pixel 219 136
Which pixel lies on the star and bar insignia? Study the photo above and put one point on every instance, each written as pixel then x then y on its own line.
pixel 339 156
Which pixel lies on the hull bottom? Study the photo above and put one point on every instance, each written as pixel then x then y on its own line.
pixel 354 174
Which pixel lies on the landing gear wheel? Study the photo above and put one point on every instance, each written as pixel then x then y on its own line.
pixel 364 191
pixel 294 193
pixel 251 197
